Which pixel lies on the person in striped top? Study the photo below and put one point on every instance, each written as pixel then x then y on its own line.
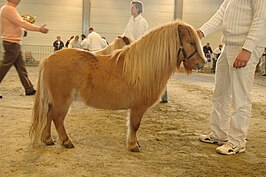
pixel 243 23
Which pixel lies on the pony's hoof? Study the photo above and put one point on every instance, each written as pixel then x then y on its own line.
pixel 69 146
pixel 50 143
pixel 136 149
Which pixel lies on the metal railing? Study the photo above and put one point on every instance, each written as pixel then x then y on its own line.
pixel 38 52
pixel 32 54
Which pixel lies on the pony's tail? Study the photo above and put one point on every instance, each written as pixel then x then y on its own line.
pixel 40 110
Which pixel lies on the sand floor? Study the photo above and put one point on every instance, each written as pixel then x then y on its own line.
pixel 168 136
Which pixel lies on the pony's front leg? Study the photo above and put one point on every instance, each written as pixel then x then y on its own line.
pixel 58 113
pixel 133 124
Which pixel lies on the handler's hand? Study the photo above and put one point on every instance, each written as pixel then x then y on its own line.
pixel 43 29
pixel 242 59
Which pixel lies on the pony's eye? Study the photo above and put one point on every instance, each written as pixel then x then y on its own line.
pixel 192 43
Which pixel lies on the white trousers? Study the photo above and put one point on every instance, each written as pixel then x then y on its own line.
pixel 231 103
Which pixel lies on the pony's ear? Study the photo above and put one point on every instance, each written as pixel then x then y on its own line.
pixel 183 31
pixel 126 40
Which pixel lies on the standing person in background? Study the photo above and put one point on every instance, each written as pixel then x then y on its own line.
pixel 243 23
pixel 74 43
pixel 137 25
pixel 104 42
pixel 207 51
pixel 58 44
pixel 94 41
pixel 217 53
pixel 12 27
pixel 68 41
pixel 103 38
pixel 84 43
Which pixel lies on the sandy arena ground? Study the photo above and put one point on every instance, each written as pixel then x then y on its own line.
pixel 168 136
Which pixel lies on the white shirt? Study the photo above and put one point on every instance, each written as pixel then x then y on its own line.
pixel 243 23
pixel 74 43
pixel 94 41
pixel 84 44
pixel 136 27
pixel 104 43
pixel 217 51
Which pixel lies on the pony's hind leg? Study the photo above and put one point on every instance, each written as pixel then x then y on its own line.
pixel 58 112
pixel 46 137
pixel 133 124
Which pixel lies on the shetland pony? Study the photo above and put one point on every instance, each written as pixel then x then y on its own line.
pixel 130 78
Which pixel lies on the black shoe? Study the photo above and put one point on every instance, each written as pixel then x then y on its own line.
pixel 164 101
pixel 31 93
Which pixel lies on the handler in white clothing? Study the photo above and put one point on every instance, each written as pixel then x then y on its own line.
pixel 137 25
pixel 243 23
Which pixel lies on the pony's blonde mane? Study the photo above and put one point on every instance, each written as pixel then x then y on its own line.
pixel 145 64
pixel 144 55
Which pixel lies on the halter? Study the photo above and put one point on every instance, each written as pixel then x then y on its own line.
pixel 181 48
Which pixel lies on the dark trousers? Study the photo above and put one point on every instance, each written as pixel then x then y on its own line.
pixel 164 97
pixel 214 61
pixel 12 56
